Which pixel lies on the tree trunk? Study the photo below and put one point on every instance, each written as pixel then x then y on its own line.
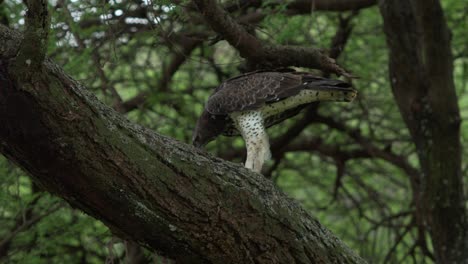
pixel 421 67
pixel 146 187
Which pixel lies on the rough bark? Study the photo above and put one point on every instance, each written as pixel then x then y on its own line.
pixel 261 54
pixel 146 187
pixel 421 76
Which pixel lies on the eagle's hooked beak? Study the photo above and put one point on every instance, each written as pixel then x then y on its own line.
pixel 197 142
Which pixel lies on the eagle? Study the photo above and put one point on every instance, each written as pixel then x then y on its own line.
pixel 248 104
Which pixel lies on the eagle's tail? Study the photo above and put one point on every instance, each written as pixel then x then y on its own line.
pixel 329 90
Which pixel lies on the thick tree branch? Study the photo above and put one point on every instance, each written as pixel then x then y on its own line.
pixel 259 53
pixel 147 187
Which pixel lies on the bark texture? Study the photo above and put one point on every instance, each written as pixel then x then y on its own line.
pixel 421 67
pixel 146 187
pixel 258 53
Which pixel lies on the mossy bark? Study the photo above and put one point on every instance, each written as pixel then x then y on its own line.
pixel 146 187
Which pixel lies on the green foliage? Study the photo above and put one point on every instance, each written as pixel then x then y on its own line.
pixel 130 53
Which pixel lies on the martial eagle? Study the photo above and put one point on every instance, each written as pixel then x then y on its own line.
pixel 250 103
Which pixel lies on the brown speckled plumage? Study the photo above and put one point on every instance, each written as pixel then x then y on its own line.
pixel 257 100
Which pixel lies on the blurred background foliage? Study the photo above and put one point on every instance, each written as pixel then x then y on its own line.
pixel 157 62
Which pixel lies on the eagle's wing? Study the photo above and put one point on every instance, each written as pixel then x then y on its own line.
pixel 251 91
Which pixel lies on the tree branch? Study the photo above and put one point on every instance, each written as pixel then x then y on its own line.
pixel 105 86
pixel 33 48
pixel 146 187
pixel 178 58
pixel 4 243
pixel 261 54
pixel 387 155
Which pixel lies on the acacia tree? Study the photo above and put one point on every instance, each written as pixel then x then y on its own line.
pixel 196 208
pixel 146 187
pixel 421 70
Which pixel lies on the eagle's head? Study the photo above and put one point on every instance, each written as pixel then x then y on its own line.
pixel 208 128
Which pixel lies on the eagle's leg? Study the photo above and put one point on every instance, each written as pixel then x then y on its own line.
pixel 252 128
